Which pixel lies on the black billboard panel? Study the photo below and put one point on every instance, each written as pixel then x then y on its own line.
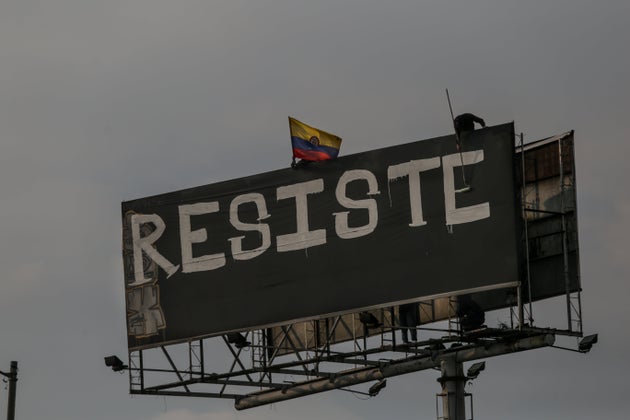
pixel 361 231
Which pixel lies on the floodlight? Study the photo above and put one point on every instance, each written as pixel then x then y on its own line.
pixel 475 369
pixel 376 388
pixel 369 320
pixel 115 363
pixel 587 342
pixel 238 340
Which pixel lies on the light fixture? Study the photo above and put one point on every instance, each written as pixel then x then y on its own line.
pixel 238 340
pixel 115 363
pixel 475 369
pixel 376 388
pixel 587 342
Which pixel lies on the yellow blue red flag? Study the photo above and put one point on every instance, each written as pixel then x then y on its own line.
pixel 311 143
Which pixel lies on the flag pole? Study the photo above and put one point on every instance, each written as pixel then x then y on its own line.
pixel 293 157
pixel 459 145
pixel 450 107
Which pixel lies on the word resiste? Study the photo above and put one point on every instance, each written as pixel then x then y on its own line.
pixel 303 237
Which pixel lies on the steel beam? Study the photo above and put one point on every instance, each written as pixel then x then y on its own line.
pixel 357 376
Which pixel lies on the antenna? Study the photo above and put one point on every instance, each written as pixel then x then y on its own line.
pixel 459 147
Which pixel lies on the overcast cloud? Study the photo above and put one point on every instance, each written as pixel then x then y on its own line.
pixel 105 101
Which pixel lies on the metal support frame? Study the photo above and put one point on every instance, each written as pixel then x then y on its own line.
pixel 565 248
pixel 524 307
pixel 573 299
pixel 453 321
pixel 252 382
pixel 520 303
pixel 430 359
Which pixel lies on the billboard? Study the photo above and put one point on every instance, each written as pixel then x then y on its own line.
pixel 551 265
pixel 362 231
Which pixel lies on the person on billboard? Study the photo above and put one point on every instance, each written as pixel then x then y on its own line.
pixel 470 314
pixel 409 319
pixel 465 123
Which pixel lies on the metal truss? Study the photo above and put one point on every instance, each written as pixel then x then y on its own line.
pixel 254 374
pixel 561 217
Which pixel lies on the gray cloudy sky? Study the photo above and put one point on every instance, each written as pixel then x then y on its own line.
pixel 105 101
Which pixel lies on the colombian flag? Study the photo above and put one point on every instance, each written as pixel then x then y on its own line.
pixel 312 144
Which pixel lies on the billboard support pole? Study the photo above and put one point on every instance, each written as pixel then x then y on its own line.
pixel 453 395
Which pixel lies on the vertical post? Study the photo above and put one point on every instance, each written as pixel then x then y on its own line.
pixel 453 381
pixel 519 304
pixel 525 225
pixel 12 388
pixel 141 357
pixel 565 250
pixel 392 316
